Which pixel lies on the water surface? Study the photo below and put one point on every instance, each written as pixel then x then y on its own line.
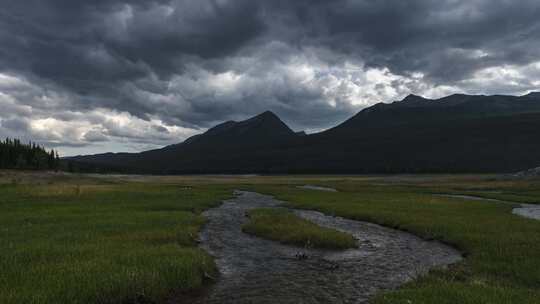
pixel 254 270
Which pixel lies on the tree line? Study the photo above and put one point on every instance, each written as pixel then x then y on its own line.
pixel 31 156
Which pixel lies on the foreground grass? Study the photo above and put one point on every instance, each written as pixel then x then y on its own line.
pixel 502 250
pixel 285 227
pixel 104 241
pixel 101 243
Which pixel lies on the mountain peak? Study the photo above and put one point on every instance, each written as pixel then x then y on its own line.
pixel 268 115
pixel 265 127
pixel 413 98
pixel 267 119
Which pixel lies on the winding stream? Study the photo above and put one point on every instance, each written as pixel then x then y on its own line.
pixel 255 270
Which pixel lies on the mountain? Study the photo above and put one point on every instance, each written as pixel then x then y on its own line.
pixel 457 133
pixel 260 130
pixel 415 109
pixel 222 147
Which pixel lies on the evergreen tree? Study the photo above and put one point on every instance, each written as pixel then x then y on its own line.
pixel 31 156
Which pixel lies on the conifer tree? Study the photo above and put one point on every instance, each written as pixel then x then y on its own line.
pixel 31 156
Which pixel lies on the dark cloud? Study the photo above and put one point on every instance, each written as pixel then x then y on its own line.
pixel 193 63
pixel 88 46
pixel 161 129
pixel 435 37
pixel 15 124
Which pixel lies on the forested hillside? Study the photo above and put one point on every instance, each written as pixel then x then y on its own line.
pixel 16 155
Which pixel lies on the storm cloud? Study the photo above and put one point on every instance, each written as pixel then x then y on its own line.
pixel 114 75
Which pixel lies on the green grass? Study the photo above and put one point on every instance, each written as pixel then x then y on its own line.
pixel 515 196
pixel 285 227
pixel 78 239
pixel 101 243
pixel 502 263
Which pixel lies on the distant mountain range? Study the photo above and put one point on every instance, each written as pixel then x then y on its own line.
pixel 457 133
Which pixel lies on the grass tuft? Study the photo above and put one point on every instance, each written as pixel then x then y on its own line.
pixel 285 227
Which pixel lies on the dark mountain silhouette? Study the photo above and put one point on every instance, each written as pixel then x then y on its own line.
pixel 457 133
pixel 222 147
pixel 263 129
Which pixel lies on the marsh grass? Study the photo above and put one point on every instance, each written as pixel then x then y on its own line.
pixel 111 242
pixel 76 243
pixel 502 251
pixel 285 227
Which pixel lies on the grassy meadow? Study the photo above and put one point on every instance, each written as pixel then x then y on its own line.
pixel 286 227
pixel 502 250
pixel 125 239
pixel 101 243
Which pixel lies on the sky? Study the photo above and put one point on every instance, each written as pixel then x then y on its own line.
pixel 87 77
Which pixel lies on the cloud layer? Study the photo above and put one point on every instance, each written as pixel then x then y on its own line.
pixel 91 76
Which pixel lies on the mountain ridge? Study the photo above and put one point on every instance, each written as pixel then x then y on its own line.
pixel 456 133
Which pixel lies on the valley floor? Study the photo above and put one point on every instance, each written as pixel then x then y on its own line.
pixel 108 239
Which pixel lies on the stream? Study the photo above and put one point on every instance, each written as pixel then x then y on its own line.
pixel 254 270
